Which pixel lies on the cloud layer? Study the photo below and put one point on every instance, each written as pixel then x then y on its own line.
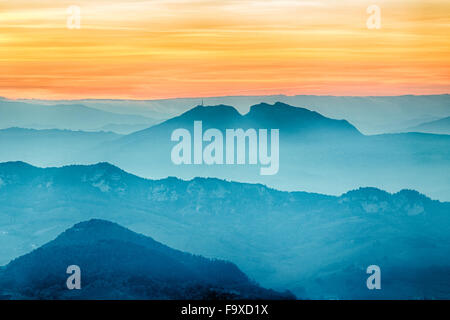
pixel 173 48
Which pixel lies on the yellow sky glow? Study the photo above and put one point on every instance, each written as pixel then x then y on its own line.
pixel 146 49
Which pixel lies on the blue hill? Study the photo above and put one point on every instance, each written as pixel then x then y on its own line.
pixel 317 246
pixel 117 263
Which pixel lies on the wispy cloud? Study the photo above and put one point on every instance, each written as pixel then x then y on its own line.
pixel 166 48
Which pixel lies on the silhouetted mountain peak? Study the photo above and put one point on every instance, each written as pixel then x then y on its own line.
pixel 96 225
pixel 375 193
pixel 411 194
pixel 15 164
pixel 283 108
pixel 100 167
pixel 412 200
pixel 103 176
pixel 100 230
pixel 290 120
pixel 366 192
pixel 106 165
pixel 209 112
pixel 212 116
pixel 141 268
pixel 11 168
pixel 373 200
pixel 295 119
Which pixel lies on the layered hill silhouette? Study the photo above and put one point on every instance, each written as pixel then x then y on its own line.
pixel 48 147
pixel 315 245
pixel 371 115
pixel 441 126
pixel 63 116
pixel 314 150
pixel 117 263
pixel 289 119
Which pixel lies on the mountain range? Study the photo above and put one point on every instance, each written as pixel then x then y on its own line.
pixel 441 126
pixel 317 246
pixel 104 164
pixel 371 115
pixel 48 147
pixel 63 116
pixel 116 263
pixel 314 150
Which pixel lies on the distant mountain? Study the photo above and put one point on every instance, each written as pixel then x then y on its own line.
pixel 314 150
pixel 441 126
pixel 152 109
pixel 315 245
pixel 147 152
pixel 288 119
pixel 70 117
pixel 371 115
pixel 123 128
pixel 377 114
pixel 48 147
pixel 317 154
pixel 117 263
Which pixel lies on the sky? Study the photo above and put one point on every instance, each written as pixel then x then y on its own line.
pixel 136 49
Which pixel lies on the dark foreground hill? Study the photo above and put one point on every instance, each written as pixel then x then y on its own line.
pixel 117 263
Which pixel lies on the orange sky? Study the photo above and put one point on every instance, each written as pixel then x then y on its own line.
pixel 179 48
